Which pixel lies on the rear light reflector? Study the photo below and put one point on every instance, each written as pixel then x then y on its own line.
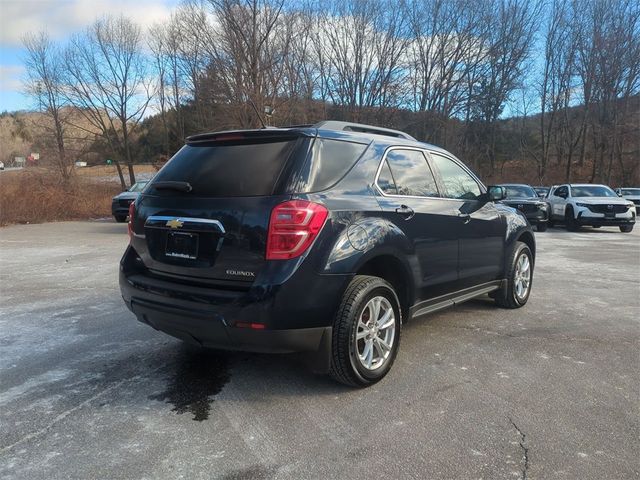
pixel 293 227
pixel 132 213
pixel 251 325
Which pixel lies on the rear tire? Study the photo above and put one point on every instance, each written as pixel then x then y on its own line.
pixel 120 218
pixel 519 278
pixel 363 349
pixel 626 228
pixel 541 227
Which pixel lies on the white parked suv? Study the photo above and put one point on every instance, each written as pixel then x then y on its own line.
pixel 587 204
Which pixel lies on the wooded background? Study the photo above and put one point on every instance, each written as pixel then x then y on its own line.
pixel 520 90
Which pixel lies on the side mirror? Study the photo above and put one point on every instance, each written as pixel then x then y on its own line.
pixel 496 193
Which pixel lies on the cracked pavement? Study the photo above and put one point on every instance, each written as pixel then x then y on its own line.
pixel 550 391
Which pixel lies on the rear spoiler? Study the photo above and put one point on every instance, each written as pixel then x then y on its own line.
pixel 262 133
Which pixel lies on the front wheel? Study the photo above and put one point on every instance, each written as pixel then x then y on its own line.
pixel 541 227
pixel 519 278
pixel 626 228
pixel 120 218
pixel 366 332
pixel 570 220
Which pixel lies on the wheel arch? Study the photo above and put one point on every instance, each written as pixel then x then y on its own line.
pixel 527 238
pixel 390 268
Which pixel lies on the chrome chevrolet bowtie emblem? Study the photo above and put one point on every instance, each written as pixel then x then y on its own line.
pixel 175 223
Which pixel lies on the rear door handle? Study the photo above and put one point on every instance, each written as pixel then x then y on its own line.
pixel 406 212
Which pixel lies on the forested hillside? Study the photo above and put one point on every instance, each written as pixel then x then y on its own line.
pixel 519 89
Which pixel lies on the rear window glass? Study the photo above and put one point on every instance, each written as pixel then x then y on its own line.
pixel 237 169
pixel 330 161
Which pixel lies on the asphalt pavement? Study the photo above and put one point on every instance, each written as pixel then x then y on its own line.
pixel 550 391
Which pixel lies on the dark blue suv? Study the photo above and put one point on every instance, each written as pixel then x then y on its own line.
pixel 321 239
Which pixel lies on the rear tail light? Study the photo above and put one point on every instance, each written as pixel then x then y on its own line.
pixel 293 227
pixel 132 213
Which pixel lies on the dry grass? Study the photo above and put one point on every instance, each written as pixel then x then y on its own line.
pixel 37 195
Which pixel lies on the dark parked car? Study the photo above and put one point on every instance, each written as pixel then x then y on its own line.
pixel 321 239
pixel 524 198
pixel 630 193
pixel 542 192
pixel 120 203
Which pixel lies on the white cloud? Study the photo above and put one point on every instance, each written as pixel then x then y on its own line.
pixel 11 77
pixel 60 18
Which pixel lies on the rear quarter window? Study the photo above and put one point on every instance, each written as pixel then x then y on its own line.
pixel 329 161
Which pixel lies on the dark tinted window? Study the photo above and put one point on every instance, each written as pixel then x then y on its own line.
pixel 592 191
pixel 234 169
pixel 411 173
pixel 561 191
pixel 330 160
pixel 457 181
pixel 520 191
pixel 385 180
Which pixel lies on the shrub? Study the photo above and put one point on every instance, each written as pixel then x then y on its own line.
pixel 40 196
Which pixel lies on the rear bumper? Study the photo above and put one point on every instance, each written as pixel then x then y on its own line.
pixel 209 329
pixel 290 318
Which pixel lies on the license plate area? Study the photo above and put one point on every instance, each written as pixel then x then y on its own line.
pixel 610 215
pixel 182 245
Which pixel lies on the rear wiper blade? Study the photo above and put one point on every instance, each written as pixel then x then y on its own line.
pixel 170 185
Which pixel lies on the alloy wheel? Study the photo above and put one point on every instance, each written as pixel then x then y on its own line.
pixel 375 333
pixel 522 277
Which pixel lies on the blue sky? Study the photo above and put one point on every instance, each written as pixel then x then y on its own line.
pixel 60 19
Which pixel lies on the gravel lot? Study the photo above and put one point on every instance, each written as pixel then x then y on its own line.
pixel 549 391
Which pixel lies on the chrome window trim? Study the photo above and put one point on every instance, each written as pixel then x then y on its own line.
pixel 447 155
pixel 427 153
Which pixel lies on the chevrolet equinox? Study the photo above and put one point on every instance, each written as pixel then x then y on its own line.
pixel 323 239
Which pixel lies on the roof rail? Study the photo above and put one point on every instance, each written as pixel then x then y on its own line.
pixel 359 127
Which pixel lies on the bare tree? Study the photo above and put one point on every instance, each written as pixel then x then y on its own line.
pixel 556 86
pixel 608 64
pixel 360 47
pixel 246 50
pixel 45 83
pixel 170 40
pixel 108 81
pixel 512 28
